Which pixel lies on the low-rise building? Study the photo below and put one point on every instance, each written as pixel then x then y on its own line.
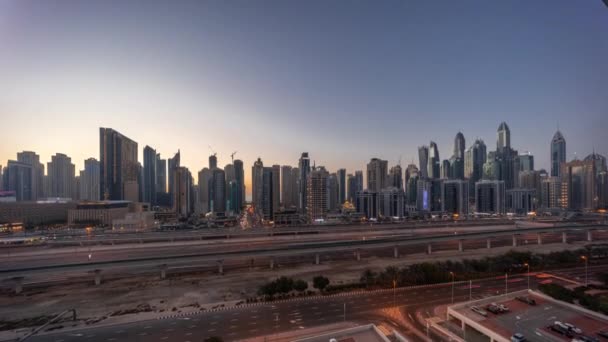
pixel 137 221
pixel 35 213
pixel 99 213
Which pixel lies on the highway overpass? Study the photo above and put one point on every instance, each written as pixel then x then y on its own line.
pixel 15 275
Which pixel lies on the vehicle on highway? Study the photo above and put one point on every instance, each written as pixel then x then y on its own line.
pixel 518 338
pixel 526 300
pixel 603 333
pixel 479 311
pixel 573 328
pixel 584 338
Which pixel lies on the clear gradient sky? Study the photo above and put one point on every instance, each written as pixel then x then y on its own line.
pixel 343 80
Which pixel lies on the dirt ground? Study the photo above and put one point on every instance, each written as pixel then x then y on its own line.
pixel 203 290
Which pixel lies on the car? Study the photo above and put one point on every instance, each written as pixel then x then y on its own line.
pixel 603 333
pixel 518 338
pixel 493 308
pixel 526 300
pixel 479 311
pixel 584 338
pixel 573 328
pixel 559 328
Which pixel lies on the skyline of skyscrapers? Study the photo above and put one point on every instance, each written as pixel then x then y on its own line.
pixel 580 185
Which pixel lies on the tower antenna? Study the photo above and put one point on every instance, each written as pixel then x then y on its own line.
pixel 212 151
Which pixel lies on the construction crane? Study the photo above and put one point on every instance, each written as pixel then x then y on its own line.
pixel 212 151
pixel 232 156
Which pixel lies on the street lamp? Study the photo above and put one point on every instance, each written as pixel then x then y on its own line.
pixel 584 257
pixel 394 289
pixel 452 274
pixel 528 265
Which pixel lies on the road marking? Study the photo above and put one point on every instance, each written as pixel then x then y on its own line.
pixel 143 334
pixel 188 333
pixel 164 337
pixel 192 326
pixel 211 330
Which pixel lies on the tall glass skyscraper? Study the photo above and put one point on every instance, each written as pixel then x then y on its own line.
pixel 558 153
pixel 434 166
pixel 118 158
pixel 423 160
pixel 149 175
pixel 304 166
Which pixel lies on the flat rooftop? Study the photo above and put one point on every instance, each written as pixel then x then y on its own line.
pixel 533 321
pixel 365 333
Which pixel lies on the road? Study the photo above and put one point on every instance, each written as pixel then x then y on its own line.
pixel 272 318
pixel 181 257
pixel 271 248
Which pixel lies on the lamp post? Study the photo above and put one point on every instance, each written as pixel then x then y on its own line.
pixel 452 274
pixel 528 265
pixel 394 289
pixel 584 257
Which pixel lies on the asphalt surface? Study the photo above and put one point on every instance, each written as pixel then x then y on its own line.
pixel 273 318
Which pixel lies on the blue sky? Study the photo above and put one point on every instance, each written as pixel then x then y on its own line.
pixel 343 80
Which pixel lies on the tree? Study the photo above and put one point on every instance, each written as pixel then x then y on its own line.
pixel 284 284
pixel 320 282
pixel 300 285
pixel 368 277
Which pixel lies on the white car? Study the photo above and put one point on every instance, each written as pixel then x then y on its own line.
pixel 479 311
pixel 573 328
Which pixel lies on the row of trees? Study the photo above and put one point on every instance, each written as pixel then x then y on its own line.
pixel 284 285
pixel 438 272
pixel 597 303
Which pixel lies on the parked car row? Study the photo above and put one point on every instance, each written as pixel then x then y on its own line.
pixel 570 330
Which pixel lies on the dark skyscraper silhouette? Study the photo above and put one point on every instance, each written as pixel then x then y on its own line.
pixel 558 153
pixel 434 168
pixel 118 158
pixel 150 178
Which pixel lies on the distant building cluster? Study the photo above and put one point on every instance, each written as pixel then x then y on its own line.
pixel 472 180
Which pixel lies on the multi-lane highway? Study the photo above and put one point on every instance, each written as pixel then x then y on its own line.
pixel 272 318
pixel 117 257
